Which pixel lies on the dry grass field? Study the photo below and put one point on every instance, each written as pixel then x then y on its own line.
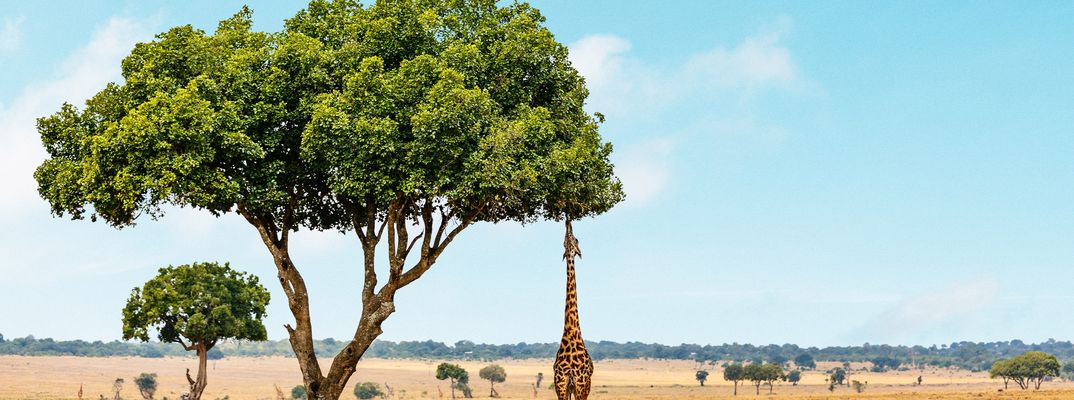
pixel 254 378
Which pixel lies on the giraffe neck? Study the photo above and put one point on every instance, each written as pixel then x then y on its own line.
pixel 571 328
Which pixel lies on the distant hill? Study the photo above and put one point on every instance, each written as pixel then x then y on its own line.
pixel 968 355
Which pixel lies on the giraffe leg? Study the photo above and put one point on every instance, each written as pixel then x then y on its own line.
pixel 581 387
pixel 562 383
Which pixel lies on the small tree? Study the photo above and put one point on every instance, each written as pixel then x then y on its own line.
pixel 147 385
pixel 197 305
pixel 298 392
pixel 805 361
pixel 540 377
pixel 838 376
pixel 367 390
pixel 763 373
pixel 794 377
pixel 734 373
pixel 455 374
pixel 701 376
pixel 117 386
pixel 858 386
pixel 494 374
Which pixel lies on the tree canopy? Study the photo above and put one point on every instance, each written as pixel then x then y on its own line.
pixel 766 373
pixel 1027 369
pixel 424 115
pixel 734 373
pixel 197 305
pixel 494 374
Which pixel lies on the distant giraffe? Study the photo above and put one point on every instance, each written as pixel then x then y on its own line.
pixel 573 367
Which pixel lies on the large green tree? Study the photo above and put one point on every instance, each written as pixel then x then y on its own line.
pixel 1028 369
pixel 197 305
pixel 403 122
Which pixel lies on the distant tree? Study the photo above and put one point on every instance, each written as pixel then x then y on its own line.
pixel 298 392
pixel 1068 370
pixel 215 354
pixel 1027 369
pixel 117 386
pixel 1 338
pixel 858 386
pixel 778 359
pixel 805 361
pixel 794 377
pixel 147 385
pixel 764 374
pixel 540 377
pixel 458 377
pixel 734 373
pixel 494 374
pixel 881 364
pixel 838 376
pixel 701 376
pixel 196 306
pixel 367 390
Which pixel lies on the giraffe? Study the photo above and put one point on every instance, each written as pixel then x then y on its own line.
pixel 573 367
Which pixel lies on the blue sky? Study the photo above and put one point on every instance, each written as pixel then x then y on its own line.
pixel 797 172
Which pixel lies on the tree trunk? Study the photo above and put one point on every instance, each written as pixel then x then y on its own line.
pixel 452 388
pixel 377 305
pixel 197 386
pixel 736 389
pixel 758 387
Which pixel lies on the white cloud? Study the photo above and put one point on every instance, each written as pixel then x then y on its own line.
pixel 79 76
pixel 723 79
pixel 11 34
pixel 645 169
pixel 920 317
pixel 759 60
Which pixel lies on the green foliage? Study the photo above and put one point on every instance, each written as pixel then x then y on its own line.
pixel 701 376
pixel 460 379
pixel 1068 370
pixel 794 377
pixel 734 373
pixel 367 390
pixel 299 392
pixel 805 361
pixel 466 104
pixel 767 373
pixel 1027 369
pixel 838 376
pixel 858 386
pixel 493 373
pixel 201 302
pixel 147 384
pixel 881 364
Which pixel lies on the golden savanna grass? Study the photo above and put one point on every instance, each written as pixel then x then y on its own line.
pixel 254 378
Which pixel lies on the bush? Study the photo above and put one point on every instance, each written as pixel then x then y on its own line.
pixel 147 385
pixel 298 392
pixel 367 390
pixel 858 386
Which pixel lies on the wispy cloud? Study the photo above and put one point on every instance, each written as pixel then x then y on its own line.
pixel 726 78
pixel 81 74
pixel 11 34
pixel 919 318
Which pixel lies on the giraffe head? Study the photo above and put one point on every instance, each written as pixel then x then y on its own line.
pixel 570 243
